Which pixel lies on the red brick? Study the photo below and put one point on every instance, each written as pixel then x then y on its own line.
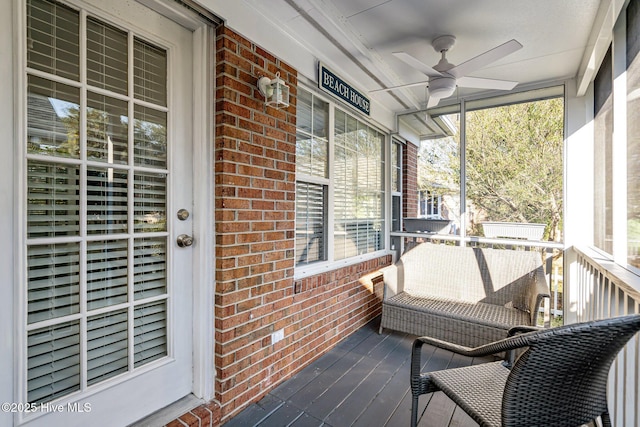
pixel 262 226
pixel 250 193
pixel 233 273
pixel 249 238
pixel 264 141
pixel 231 297
pixel 249 260
pixel 262 205
pixel 250 170
pixel 248 304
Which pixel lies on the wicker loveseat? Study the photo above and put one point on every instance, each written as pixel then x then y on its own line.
pixel 463 295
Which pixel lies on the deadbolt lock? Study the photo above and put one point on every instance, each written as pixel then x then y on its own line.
pixel 183 214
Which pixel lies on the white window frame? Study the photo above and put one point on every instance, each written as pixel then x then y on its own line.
pixel 305 270
pixel 618 39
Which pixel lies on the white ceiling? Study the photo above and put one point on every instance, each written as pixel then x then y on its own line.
pixel 356 38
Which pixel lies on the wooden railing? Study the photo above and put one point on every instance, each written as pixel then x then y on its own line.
pixel 600 288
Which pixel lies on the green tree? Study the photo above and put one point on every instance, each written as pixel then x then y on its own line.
pixel 514 162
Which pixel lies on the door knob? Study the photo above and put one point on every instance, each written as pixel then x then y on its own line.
pixel 184 240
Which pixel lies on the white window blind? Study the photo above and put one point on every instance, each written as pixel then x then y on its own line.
pixel 107 129
pixel 53 281
pixel 356 183
pixel 358 187
pixel 107 59
pixel 150 211
pixel 150 332
pixel 53 202
pixel 310 222
pixel 96 202
pixel 312 173
pixel 53 118
pixel 150 72
pixel 150 267
pixel 107 346
pixel 312 139
pixel 53 39
pixel 106 273
pixel 54 362
pixel 150 137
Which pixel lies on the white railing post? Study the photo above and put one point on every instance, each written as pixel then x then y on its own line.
pixel 606 289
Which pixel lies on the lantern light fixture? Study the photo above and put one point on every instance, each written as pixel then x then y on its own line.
pixel 275 92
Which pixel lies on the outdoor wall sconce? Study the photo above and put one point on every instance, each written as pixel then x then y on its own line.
pixel 275 92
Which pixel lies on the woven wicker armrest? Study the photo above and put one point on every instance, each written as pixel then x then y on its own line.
pixel 506 344
pixel 393 283
pixel 523 329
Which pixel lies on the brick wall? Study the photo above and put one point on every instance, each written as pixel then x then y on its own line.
pixel 410 180
pixel 255 236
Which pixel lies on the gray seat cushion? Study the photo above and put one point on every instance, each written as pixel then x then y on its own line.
pixel 484 314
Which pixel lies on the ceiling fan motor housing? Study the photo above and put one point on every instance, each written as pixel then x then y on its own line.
pixel 442 87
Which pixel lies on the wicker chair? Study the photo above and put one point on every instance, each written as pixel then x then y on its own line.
pixel 559 379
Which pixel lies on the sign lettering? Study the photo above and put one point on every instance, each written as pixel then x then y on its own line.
pixel 330 82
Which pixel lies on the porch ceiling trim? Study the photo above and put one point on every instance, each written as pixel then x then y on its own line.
pixel 599 41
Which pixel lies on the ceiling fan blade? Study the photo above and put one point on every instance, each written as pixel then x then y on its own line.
pixel 432 102
pixel 485 59
pixel 480 83
pixel 418 65
pixel 386 89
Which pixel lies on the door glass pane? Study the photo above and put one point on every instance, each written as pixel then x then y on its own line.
pixel 53 281
pixel 53 38
pixel 107 353
pixel 150 266
pixel 53 202
pixel 53 118
pixel 106 57
pixel 150 202
pixel 150 137
pixel 107 129
pixel 53 362
pixel 150 332
pixel 106 201
pixel 149 72
pixel 106 273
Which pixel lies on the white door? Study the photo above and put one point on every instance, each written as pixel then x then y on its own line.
pixel 106 296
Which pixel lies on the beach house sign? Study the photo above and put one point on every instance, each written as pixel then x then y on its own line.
pixel 331 83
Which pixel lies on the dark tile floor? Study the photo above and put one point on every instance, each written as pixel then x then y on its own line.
pixel 363 381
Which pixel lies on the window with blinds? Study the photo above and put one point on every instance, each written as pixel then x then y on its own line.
pixel 338 155
pixel 358 187
pixel 96 202
pixel 312 172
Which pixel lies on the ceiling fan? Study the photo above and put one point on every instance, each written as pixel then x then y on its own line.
pixel 444 76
